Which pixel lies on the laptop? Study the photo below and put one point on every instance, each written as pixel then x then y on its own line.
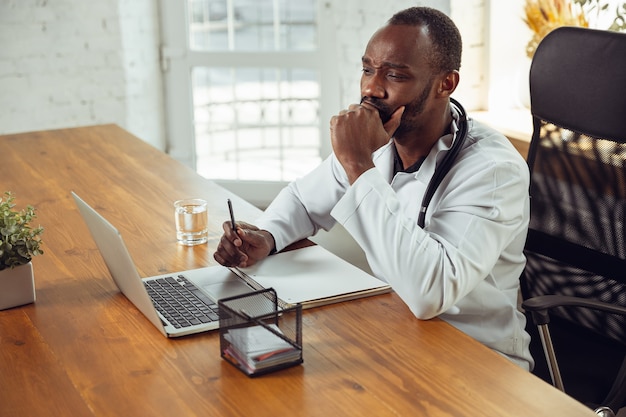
pixel 178 304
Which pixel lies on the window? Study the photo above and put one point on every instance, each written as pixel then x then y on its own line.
pixel 253 69
pixel 255 123
pixel 252 25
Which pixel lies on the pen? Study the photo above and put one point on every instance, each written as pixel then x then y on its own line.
pixel 232 215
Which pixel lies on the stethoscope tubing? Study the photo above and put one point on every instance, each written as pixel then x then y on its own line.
pixel 446 164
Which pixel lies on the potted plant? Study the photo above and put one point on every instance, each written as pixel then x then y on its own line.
pixel 19 242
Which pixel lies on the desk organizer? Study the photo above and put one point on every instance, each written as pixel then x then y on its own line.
pixel 256 336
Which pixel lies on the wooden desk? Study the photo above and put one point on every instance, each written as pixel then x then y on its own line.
pixel 83 350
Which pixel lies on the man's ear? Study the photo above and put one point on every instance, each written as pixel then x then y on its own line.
pixel 447 83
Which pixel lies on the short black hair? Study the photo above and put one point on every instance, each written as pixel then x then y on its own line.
pixel 445 36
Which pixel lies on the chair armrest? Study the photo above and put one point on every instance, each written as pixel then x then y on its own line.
pixel 540 305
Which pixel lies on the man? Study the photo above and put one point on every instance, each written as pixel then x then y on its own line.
pixel 463 265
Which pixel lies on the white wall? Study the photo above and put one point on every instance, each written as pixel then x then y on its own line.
pixel 508 67
pixel 355 22
pixel 66 63
pixel 470 17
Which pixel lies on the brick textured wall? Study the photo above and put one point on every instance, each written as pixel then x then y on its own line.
pixel 73 63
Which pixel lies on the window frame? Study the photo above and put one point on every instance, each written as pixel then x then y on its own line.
pixel 177 61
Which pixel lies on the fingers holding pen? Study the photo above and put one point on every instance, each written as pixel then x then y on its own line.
pixel 239 246
pixel 228 251
pixel 231 233
pixel 231 261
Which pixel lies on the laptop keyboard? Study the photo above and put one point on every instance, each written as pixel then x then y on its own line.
pixel 182 305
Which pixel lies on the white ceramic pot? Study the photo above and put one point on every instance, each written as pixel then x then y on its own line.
pixel 17 286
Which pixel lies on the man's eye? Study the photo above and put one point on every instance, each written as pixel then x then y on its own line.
pixel 395 76
pixel 368 71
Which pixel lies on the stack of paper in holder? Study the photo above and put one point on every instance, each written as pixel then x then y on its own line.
pixel 257 348
pixel 256 336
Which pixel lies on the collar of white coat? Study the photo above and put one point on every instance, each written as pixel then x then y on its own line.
pixel 437 151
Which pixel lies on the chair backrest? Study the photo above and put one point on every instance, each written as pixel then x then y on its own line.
pixel 577 80
pixel 577 157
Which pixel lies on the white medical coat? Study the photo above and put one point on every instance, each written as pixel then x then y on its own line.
pixel 464 265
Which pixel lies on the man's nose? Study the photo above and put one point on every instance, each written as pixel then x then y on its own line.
pixel 372 87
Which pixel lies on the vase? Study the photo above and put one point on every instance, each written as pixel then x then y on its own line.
pixel 17 286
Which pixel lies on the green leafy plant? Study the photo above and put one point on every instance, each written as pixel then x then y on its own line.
pixel 601 7
pixel 19 242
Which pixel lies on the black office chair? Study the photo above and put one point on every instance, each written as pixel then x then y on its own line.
pixel 575 277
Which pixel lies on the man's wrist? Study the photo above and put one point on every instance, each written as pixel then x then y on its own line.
pixel 272 243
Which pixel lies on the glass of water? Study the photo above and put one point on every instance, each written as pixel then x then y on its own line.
pixel 191 221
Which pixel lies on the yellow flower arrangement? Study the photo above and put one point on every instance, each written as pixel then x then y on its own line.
pixel 542 16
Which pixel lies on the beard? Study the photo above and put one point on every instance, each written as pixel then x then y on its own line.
pixel 411 112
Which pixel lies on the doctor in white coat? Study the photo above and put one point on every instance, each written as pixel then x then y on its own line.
pixel 464 264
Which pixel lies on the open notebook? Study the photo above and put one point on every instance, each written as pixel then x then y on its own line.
pixel 311 276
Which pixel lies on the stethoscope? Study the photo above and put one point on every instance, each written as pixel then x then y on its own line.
pixel 446 163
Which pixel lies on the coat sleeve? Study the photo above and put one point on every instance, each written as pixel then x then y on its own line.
pixel 303 207
pixel 478 212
